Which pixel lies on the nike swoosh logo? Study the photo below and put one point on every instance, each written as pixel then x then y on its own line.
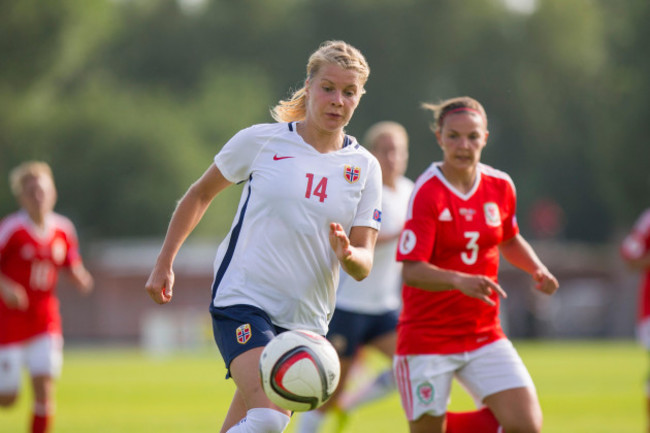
pixel 277 158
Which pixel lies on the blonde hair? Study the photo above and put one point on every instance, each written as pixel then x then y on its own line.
pixel 386 127
pixel 27 169
pixel 445 107
pixel 330 52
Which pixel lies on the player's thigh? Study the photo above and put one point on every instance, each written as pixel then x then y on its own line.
pixel 493 368
pixel 516 409
pixel 44 356
pixel 424 383
pixel 386 343
pixel 11 361
pixel 244 370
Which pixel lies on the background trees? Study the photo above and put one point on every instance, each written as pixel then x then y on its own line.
pixel 130 100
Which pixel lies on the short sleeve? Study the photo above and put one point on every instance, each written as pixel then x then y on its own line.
pixel 510 225
pixel 236 157
pixel 69 233
pixel 417 240
pixel 369 208
pixel 74 256
pixel 635 244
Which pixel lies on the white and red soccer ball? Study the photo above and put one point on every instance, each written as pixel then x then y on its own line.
pixel 299 370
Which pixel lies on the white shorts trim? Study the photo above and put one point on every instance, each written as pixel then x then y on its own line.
pixel 41 355
pixel 424 381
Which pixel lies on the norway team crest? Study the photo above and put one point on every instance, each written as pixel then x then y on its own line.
pixel 244 333
pixel 351 174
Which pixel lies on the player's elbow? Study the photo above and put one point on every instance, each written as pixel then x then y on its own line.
pixel 413 275
pixel 359 273
pixel 361 276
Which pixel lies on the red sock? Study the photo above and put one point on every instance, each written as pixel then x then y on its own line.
pixel 40 423
pixel 476 421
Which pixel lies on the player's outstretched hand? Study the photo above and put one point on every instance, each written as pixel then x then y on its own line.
pixel 160 284
pixel 340 242
pixel 14 296
pixel 545 281
pixel 82 279
pixel 480 287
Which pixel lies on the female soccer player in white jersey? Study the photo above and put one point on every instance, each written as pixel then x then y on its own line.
pixel 366 312
pixel 310 205
pixel 460 217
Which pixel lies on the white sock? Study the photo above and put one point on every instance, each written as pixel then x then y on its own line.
pixel 261 420
pixel 310 422
pixel 383 385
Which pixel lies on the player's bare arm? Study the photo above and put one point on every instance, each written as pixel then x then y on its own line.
pixel 13 294
pixel 638 263
pixel 428 277
pixel 356 252
pixel 520 254
pixel 81 278
pixel 188 213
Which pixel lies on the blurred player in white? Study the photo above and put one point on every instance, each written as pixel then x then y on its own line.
pixel 635 251
pixel 35 243
pixel 366 312
pixel 311 204
pixel 460 218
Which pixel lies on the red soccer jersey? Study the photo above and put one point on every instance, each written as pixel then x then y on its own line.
pixel 32 257
pixel 635 246
pixel 460 232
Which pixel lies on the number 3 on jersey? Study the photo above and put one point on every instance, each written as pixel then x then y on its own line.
pixel 469 257
pixel 321 189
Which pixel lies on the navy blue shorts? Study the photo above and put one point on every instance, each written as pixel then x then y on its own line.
pixel 349 331
pixel 240 328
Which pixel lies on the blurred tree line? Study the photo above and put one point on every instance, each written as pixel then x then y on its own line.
pixel 129 100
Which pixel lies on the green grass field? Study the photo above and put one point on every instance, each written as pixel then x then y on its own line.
pixel 583 387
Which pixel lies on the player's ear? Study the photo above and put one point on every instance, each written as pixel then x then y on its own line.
pixel 307 84
pixel 438 137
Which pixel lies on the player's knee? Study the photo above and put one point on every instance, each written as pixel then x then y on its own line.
pixel 7 400
pixel 264 420
pixel 532 424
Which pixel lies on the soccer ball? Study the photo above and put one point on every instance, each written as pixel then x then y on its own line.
pixel 299 370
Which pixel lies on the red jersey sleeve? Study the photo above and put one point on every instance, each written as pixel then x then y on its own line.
pixel 510 226
pixel 419 233
pixel 637 243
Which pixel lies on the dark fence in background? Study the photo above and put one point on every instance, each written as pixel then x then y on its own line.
pixel 597 297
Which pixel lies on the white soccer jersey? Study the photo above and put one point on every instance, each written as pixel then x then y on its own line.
pixel 277 255
pixel 380 291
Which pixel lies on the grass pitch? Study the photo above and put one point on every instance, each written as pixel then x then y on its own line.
pixel 584 386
